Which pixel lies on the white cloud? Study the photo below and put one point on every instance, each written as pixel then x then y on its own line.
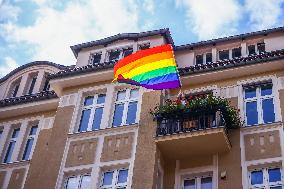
pixel 211 19
pixel 9 65
pixel 55 30
pixel 8 11
pixel 263 14
pixel 149 6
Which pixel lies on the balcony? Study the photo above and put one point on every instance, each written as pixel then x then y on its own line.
pixel 193 130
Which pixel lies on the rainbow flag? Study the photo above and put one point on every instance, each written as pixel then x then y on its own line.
pixel 153 68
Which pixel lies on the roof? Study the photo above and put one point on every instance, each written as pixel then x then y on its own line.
pixel 35 63
pixel 223 39
pixel 121 36
pixel 242 61
pixel 44 95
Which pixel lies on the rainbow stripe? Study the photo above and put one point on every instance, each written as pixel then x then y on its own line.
pixel 153 68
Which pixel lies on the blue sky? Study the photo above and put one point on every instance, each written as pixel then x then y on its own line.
pixel 44 29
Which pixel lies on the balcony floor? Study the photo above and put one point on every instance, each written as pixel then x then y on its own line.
pixel 195 143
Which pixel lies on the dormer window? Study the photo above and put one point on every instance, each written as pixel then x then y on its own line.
pixel 208 57
pixel 144 46
pixel 96 58
pixel 15 90
pixel 127 52
pixel 114 56
pixel 46 86
pixel 224 55
pixel 199 59
pixel 236 52
pixel 251 50
pixel 32 85
pixel 261 47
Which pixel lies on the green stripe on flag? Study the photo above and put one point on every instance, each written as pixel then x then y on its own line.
pixel 155 73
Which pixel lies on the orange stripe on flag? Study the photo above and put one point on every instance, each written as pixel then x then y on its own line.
pixel 141 54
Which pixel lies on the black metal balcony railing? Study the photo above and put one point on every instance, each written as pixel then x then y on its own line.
pixel 190 123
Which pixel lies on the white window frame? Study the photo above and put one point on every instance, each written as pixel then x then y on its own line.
pixel 266 184
pixel 120 49
pixel 80 177
pixel 93 108
pixel 114 183
pixel 8 144
pixel 126 102
pixel 197 179
pixel 258 99
pixel 30 137
pixel 94 54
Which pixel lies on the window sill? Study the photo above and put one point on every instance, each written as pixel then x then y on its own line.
pixel 262 125
pixel 14 164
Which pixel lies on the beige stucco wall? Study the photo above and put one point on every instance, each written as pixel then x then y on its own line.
pixel 274 41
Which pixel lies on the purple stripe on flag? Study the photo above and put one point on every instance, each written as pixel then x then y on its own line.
pixel 165 85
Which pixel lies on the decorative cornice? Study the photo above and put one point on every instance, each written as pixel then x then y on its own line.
pixel 44 95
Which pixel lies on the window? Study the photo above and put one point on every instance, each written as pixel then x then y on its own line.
pixel 115 179
pixel 30 142
pixel 1 132
pixel 223 55
pixel 267 178
pixel 144 46
pixel 11 146
pixel 46 85
pixel 127 52
pixel 208 57
pixel 92 113
pixel 261 47
pixel 259 106
pixel 125 111
pixel 114 56
pixel 78 182
pixel 15 90
pixel 251 50
pixel 199 59
pixel 236 52
pixel 32 85
pixel 96 58
pixel 199 182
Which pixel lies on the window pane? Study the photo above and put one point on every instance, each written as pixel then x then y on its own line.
pixel 101 99
pixel 237 52
pixel 9 152
pixel 121 95
pixel 266 90
pixel 274 175
pixel 134 93
pixel 223 54
pixel 86 182
pixel 250 93
pixel 199 59
pixel 256 177
pixel 268 111
pixel 1 132
pixel 276 187
pixel 28 149
pixel 189 184
pixel 261 47
pixel 33 130
pixel 206 183
pixel 122 176
pixel 251 113
pixel 127 52
pixel 72 183
pixel 97 119
pixel 96 58
pixel 131 114
pixel 15 133
pixel 208 57
pixel 251 49
pixel 107 180
pixel 84 120
pixel 32 85
pixel 88 100
pixel 114 55
pixel 118 113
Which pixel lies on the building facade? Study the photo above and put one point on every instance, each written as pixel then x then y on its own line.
pixel 70 127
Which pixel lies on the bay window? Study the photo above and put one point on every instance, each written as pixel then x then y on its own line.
pixel 259 104
pixel 114 179
pixel 92 113
pixel 125 111
pixel 266 178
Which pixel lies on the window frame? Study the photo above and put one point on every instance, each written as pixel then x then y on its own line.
pixel 258 99
pixel 265 180
pixel 126 102
pixel 224 50
pixel 93 108
pixel 197 178
pixel 144 46
pixel 11 139
pixel 80 177
pixel 114 184
pixel 92 58
pixel 30 136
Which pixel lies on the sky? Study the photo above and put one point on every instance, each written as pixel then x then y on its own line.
pixel 32 30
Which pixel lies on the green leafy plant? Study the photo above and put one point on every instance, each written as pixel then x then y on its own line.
pixel 180 108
